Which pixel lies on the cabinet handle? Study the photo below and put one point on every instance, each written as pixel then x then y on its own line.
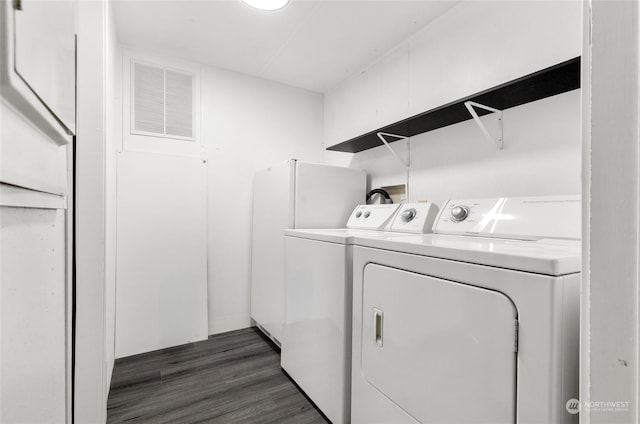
pixel 378 321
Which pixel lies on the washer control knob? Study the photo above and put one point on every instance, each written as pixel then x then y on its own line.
pixel 366 214
pixel 358 214
pixel 459 213
pixel 408 215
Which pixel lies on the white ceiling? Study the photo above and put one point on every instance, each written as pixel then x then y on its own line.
pixel 309 44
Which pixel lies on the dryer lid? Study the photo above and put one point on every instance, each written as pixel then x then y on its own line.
pixel 544 256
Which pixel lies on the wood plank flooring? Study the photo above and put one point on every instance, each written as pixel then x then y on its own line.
pixel 233 377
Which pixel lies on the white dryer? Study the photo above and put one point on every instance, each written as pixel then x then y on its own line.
pixel 316 343
pixel 476 323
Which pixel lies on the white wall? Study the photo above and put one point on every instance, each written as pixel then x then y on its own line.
pixel 475 46
pixel 248 124
pixel 610 352
pixel 161 231
pixel 541 156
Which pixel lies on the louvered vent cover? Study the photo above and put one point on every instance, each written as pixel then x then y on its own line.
pixel 179 104
pixel 162 102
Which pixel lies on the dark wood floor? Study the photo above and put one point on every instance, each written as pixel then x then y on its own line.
pixel 233 377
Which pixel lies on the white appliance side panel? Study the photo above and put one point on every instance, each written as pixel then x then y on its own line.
pixel 442 351
pixel 33 347
pixel 161 279
pixel 325 195
pixel 272 214
pixel 316 345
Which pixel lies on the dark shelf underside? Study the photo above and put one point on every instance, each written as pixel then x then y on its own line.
pixel 548 82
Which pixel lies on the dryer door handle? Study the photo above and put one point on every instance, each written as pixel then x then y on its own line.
pixel 378 322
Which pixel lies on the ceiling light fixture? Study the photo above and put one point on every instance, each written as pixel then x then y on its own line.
pixel 267 4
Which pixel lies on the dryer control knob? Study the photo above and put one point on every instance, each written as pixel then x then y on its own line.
pixel 408 215
pixel 366 214
pixel 358 214
pixel 459 213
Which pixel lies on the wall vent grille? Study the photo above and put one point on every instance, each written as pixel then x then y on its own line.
pixel 162 102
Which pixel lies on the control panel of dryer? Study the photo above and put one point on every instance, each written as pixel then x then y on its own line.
pixel 415 218
pixel 372 217
pixel 526 218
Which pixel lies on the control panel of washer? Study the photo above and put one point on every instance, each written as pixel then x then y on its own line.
pixel 372 217
pixel 415 218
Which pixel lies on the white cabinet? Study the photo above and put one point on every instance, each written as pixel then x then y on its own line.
pixel 37 108
pixel 34 332
pixel 45 48
pixel 29 159
pixel 38 67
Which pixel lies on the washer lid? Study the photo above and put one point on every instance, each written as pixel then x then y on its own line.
pixel 544 256
pixel 339 235
pixel 330 235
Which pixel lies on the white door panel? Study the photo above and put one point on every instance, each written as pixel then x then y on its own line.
pixel 161 278
pixel 442 351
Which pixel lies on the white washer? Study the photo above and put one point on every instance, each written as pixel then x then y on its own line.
pixel 476 323
pixel 316 345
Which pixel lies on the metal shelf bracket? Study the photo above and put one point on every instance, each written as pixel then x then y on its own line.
pixel 382 135
pixel 406 163
pixel 498 140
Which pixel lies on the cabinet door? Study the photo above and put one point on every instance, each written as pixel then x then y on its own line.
pixel 33 354
pixel 443 352
pixel 44 36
